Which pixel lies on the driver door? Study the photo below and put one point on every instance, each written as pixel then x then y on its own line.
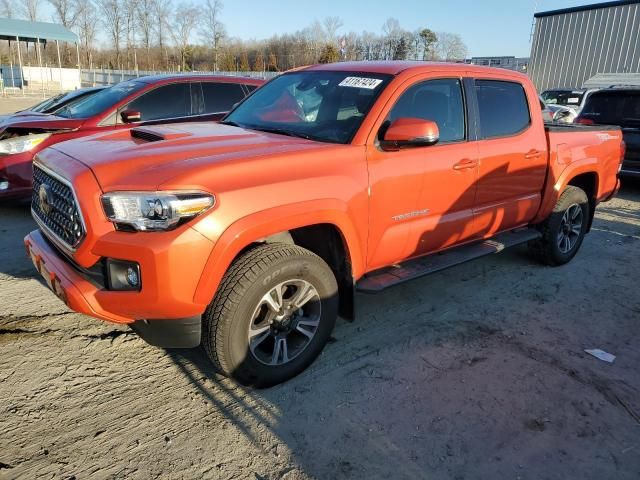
pixel 422 198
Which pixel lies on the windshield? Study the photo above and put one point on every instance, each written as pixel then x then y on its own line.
pixel 99 102
pixel 563 97
pixel 323 106
pixel 45 104
pixel 620 108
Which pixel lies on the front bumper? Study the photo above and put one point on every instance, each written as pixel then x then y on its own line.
pixel 17 171
pixel 170 270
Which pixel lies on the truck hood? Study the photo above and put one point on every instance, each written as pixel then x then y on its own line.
pixel 146 157
pixel 38 121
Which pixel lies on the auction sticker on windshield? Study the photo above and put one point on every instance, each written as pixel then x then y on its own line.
pixel 360 82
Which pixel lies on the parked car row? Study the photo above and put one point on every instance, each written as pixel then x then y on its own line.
pixel 249 236
pixel 616 105
pixel 143 101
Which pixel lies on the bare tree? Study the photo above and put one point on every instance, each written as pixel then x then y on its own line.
pixel 6 8
pixel 392 32
pixel 213 30
pixel 450 46
pixel 113 18
pixel 66 12
pixel 331 27
pixel 163 11
pixel 30 9
pixel 184 22
pixel 130 9
pixel 87 26
pixel 146 22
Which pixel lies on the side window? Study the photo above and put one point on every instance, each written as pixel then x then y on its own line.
pixel 503 108
pixel 168 101
pixel 438 100
pixel 250 88
pixel 220 97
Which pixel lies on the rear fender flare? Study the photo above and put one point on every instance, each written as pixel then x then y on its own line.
pixel 554 189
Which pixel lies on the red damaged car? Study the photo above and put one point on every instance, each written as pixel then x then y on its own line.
pixel 142 101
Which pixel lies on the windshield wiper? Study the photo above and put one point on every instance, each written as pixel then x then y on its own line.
pixel 233 124
pixel 63 109
pixel 281 131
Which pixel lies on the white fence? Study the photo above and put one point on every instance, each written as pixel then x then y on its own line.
pixel 47 80
pixel 96 77
pixel 40 79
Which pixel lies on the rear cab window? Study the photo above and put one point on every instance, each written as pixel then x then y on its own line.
pixel 503 108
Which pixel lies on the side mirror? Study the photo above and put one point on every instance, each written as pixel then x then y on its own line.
pixel 410 132
pixel 130 116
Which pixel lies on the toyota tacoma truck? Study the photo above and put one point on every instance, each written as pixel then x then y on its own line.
pixel 251 236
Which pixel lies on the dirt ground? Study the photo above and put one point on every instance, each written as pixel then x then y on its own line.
pixel 477 372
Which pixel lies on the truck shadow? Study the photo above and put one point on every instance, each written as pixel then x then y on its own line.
pixel 15 223
pixel 387 397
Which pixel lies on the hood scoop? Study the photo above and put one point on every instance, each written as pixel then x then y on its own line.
pixel 157 134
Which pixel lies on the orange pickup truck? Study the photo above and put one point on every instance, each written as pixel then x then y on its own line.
pixel 251 236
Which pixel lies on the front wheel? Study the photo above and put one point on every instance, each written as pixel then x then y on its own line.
pixel 273 314
pixel 564 230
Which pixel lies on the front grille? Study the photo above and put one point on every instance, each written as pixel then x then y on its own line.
pixel 54 205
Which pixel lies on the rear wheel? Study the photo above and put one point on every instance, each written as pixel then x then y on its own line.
pixel 273 313
pixel 564 230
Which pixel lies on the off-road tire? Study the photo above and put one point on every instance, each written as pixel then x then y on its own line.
pixel 227 319
pixel 547 249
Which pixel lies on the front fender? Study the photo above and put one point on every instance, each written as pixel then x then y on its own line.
pixel 268 222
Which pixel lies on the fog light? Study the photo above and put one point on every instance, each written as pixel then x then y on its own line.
pixel 4 185
pixel 123 275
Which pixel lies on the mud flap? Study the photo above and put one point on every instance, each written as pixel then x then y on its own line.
pixel 172 333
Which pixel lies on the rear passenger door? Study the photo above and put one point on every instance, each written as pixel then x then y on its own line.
pixel 216 99
pixel 513 156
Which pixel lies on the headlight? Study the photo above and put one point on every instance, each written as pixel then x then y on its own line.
pixel 152 211
pixel 25 143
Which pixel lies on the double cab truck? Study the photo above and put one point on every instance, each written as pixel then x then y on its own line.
pixel 249 237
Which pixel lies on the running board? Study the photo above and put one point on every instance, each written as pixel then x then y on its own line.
pixel 388 277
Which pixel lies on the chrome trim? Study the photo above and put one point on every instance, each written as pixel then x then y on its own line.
pixel 56 239
pixel 416 213
pixel 51 235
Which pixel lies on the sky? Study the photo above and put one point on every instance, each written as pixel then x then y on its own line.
pixel 488 27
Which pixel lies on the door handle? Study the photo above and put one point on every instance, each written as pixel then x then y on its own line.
pixel 532 154
pixel 465 163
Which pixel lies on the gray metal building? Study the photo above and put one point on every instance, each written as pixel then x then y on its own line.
pixel 574 44
pixel 518 64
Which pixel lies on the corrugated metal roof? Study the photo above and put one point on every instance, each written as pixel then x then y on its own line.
pixel 605 80
pixel 10 28
pixel 583 8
